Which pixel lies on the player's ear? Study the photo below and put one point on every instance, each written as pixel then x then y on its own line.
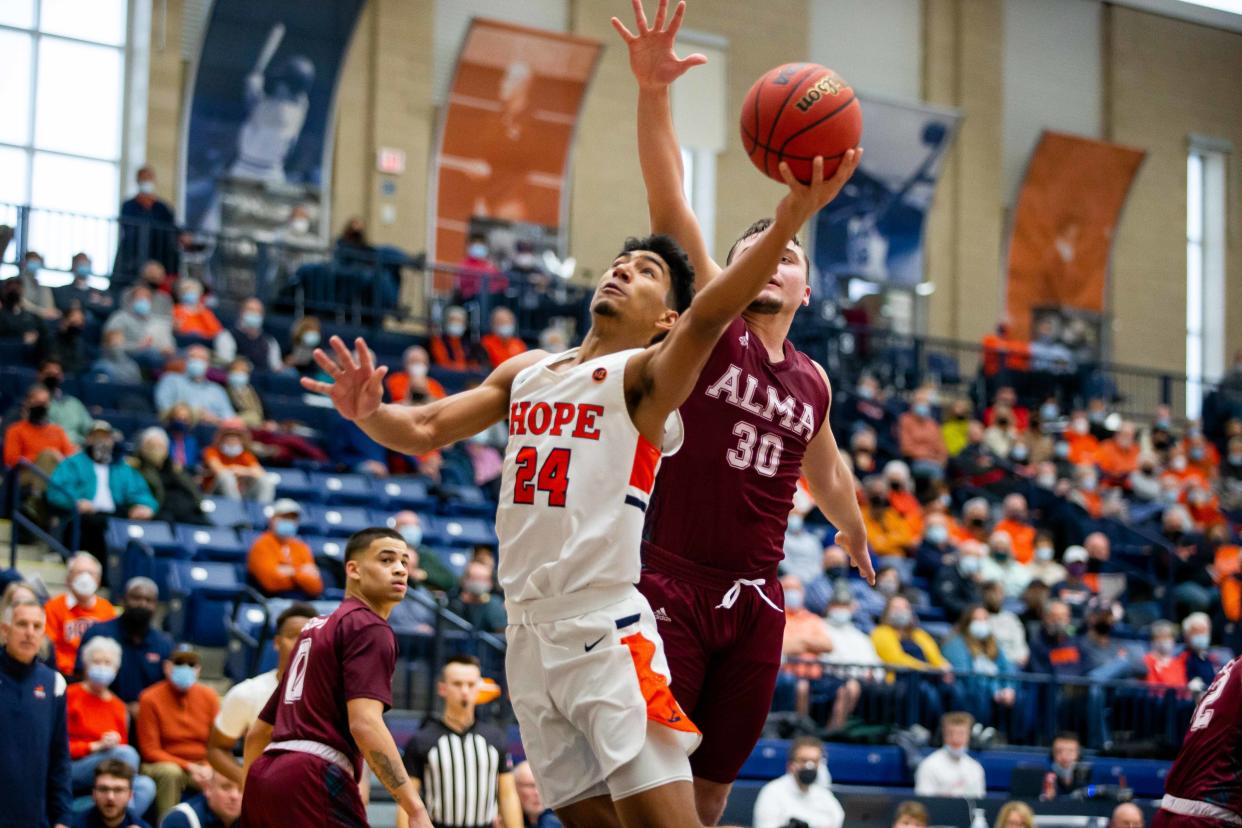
pixel 806 294
pixel 666 321
pixel 351 570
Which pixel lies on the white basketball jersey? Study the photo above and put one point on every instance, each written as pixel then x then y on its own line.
pixel 577 478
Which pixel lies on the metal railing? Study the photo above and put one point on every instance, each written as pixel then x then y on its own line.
pixel 23 523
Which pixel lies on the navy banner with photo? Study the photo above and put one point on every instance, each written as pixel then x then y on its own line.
pixel 257 142
pixel 874 229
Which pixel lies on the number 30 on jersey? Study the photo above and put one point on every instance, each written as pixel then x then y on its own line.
pixel 762 451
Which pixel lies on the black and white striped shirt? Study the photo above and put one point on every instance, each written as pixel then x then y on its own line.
pixel 458 771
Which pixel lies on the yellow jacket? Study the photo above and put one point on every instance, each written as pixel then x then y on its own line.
pixel 887 642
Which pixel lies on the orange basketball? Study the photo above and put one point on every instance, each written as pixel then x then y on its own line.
pixel 796 112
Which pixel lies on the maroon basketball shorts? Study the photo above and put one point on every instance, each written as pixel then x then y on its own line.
pixel 724 660
pixel 1164 819
pixel 290 789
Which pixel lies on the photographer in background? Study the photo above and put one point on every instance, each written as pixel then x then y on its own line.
pixel 798 799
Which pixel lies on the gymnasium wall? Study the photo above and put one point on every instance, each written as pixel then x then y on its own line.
pixel 1011 66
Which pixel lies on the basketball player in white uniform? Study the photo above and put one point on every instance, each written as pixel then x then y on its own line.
pixel 586 669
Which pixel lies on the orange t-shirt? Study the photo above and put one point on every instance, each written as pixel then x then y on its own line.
pixel 24 441
pixel 1023 538
pixel 1115 461
pixel 246 458
pixel 908 506
pixel 269 553
pixel 1082 447
pixel 89 717
pixel 500 348
pixel 174 726
pixel 68 621
pixel 399 385
pixel 451 352
pixel 196 321
pixel 807 636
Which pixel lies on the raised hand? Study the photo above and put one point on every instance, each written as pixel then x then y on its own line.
pixel 357 387
pixel 805 200
pixel 652 59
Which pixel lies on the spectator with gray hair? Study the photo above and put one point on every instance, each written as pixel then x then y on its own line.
pixel 185 381
pixel 1202 664
pixel 98 723
pixel 176 492
pixel 77 609
pixel 143 647
pixel 34 771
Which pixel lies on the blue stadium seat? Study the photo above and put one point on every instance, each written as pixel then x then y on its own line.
pixel 467 501
pixel 212 543
pixel 296 484
pixel 245 635
pixel 202 593
pixel 348 489
pixel 141 547
pixel 226 511
pixel 459 531
pixel 280 385
pixel 15 380
pixel 455 558
pixel 399 493
pixel 337 521
pixel 326 547
pixel 100 395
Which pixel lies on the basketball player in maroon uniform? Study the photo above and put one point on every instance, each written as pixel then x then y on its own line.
pixel 304 754
pixel 1204 786
pixel 756 420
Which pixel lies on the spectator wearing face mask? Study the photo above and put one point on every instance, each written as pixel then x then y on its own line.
pixel 16 322
pixel 1204 508
pixel 1082 443
pixel 475 602
pixel 191 317
pixel 64 342
pixel 1164 666
pixel 1118 456
pixel 1076 589
pixel 1086 490
pixel 869 409
pixel 834 575
pixel 502 343
pixel 156 279
pixel 232 468
pixel 1044 567
pixel 36 297
pixel 243 396
pixel 1000 566
pixel 974 650
pixel 452 348
pixel 147 334
pixel 73 612
pixel 920 439
pixel 862 453
pixel 1007 628
pixel 176 492
pixel 1054 651
pixel 80 294
pixel 950 771
pixel 143 647
pixel 888 532
pixel 1144 481
pixel 958 587
pixel 1201 455
pixel 1006 402
pixel 64 410
pixel 1231 474
pixel 850 644
pixel 174 722
pixel 114 363
pixel 803 550
pixel 798 798
pixel 552 339
pixel 1001 434
pixel 245 338
pixel 1202 664
pixel 806 639
pixel 901 495
pixel 34 438
pixel 955 429
pixel 937 546
pixel 977 465
pixel 279 562
pixel 148 230
pixel 1189 559
pixel 900 642
pixel 426 569
pixel 98 484
pixel 98 723
pixel 413 385
pixel 183 446
pixel 189 385
pixel 305 337
pixel 477 273
pixel 1016 524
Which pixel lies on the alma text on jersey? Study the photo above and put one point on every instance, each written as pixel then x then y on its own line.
pixel 796 417
pixel 555 419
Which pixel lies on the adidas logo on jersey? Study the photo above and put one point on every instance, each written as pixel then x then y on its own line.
pixel 661 615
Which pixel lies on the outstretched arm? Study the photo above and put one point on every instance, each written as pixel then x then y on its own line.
pixel 655 66
pixel 357 391
pixel 366 725
pixel 666 374
pixel 832 487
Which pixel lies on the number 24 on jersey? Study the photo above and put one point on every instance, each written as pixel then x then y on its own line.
pixel 531 476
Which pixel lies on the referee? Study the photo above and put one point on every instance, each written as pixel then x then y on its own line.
pixel 460 767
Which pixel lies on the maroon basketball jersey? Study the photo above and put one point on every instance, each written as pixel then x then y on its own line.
pixel 722 501
pixel 1209 765
pixel 349 654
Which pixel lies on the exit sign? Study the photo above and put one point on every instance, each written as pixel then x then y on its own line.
pixel 390 160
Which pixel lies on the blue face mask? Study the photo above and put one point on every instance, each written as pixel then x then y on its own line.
pixel 1049 411
pixel 285 528
pixel 937 534
pixel 969 565
pixel 251 320
pixel 1200 641
pixel 239 379
pixel 100 675
pixel 142 307
pixel 183 677
pixel 477 251
pixel 196 368
pixel 505 330
pixel 922 410
pixel 82 271
pixel 190 297
pixel 413 535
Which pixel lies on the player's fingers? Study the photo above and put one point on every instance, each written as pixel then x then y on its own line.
pixel 325 362
pixel 849 163
pixel 817 171
pixel 678 14
pixel 364 355
pixel 316 387
pixel 343 356
pixel 625 33
pixel 693 60
pixel 377 377
pixel 640 16
pixel 788 176
pixel 661 13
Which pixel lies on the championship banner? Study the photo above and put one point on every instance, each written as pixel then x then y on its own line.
pixel 1062 238
pixel 507 133
pixel 874 229
pixel 258 138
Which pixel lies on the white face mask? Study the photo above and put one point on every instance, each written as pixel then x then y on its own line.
pixel 417 370
pixel 146 187
pixel 300 225
pixel 84 584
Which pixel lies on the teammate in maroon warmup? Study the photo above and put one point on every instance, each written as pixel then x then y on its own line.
pixel 757 419
pixel 304 754
pixel 1204 786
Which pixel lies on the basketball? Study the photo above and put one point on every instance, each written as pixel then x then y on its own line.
pixel 796 112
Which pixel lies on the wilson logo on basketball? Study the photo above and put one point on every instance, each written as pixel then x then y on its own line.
pixel 827 85
pixel 600 374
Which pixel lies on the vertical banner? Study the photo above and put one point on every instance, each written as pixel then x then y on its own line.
pixel 874 229
pixel 258 139
pixel 1062 238
pixel 508 131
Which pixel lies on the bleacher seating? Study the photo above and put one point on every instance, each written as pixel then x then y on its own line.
pixel 202 593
